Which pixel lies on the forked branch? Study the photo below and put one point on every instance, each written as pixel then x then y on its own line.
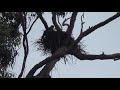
pixel 92 29
pixel 42 19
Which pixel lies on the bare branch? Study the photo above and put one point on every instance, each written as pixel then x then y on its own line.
pixel 32 24
pixel 59 53
pixel 43 20
pixel 102 56
pixel 90 30
pixel 72 22
pixel 54 22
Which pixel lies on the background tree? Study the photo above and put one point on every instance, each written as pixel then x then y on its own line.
pixel 9 40
pixel 55 41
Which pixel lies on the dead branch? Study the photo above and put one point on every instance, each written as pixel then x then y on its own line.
pixel 90 30
pixel 102 56
pixel 42 19
pixel 55 22
pixel 72 22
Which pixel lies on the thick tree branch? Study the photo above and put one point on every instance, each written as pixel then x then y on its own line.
pixel 70 28
pixel 55 22
pixel 59 53
pixel 90 30
pixel 44 73
pixel 42 19
pixel 72 22
pixel 103 56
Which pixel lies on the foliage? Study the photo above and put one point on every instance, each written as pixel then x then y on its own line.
pixel 6 74
pixel 10 38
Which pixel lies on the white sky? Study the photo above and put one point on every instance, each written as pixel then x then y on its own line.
pixel 104 39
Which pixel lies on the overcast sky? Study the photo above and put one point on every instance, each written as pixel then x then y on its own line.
pixel 104 39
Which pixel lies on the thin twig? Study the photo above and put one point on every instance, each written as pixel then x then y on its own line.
pixel 32 24
pixel 65 24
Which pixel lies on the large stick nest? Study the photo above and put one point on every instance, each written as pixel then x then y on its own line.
pixel 51 40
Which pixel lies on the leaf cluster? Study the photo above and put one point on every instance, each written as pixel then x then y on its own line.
pixel 10 38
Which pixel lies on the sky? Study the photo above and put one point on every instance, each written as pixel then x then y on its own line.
pixel 104 39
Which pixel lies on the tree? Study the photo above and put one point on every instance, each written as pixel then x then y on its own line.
pixel 9 40
pixel 55 42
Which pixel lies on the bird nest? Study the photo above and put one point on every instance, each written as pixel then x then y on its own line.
pixel 52 40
